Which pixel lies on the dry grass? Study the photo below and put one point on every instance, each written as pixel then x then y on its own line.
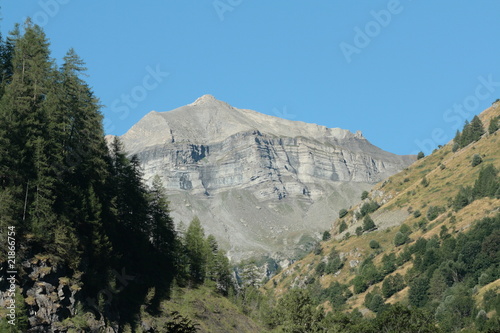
pixel 445 172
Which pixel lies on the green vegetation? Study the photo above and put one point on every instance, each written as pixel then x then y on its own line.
pixel 486 185
pixel 342 213
pixel 368 223
pixel 342 226
pixel 84 206
pixel 364 195
pixel 476 160
pixel 368 208
pixel 81 204
pixel 494 125
pixel 471 132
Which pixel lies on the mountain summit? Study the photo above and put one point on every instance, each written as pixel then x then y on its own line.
pixel 260 184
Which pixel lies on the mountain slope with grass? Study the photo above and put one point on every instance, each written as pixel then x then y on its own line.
pixel 427 237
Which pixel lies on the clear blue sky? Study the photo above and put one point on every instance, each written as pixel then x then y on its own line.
pixel 392 69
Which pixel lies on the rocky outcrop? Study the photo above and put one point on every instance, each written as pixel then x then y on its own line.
pixel 51 298
pixel 257 182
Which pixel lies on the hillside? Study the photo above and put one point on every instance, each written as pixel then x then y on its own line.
pixel 364 265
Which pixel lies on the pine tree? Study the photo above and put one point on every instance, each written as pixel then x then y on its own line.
pixel 162 225
pixel 196 248
pixel 494 125
pixel 130 192
pixel 368 223
pixel 476 129
pixel 23 138
pixel 218 269
pixel 487 182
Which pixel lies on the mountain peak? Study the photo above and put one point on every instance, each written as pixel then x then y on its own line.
pixel 204 100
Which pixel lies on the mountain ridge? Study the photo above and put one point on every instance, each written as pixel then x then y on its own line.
pixel 214 159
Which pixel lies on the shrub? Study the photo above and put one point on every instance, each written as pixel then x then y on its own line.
pixel 424 182
pixel 368 223
pixel 422 224
pixel 374 302
pixel 368 207
pixel 400 239
pixel 388 263
pixel 320 269
pixel 317 249
pixel 342 226
pixel 342 213
pixel 359 284
pixel 374 244
pixel 364 195
pixel 420 155
pixel 392 284
pixel 434 212
pixel 406 230
pixel 463 198
pixel 417 213
pixel 327 235
pixel 359 231
pixel 476 160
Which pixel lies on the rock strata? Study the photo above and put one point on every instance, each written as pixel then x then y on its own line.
pixel 258 183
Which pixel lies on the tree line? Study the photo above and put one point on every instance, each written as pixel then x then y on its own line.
pixel 83 201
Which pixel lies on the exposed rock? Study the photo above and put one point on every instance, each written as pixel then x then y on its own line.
pixel 256 182
pixel 50 297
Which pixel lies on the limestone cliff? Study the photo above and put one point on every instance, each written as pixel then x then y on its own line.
pixel 259 183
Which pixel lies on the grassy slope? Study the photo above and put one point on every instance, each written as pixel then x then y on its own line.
pixel 211 311
pixel 402 194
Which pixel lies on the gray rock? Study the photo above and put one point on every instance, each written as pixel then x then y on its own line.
pixel 242 172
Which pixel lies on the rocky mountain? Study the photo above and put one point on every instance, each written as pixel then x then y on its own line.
pixel 260 184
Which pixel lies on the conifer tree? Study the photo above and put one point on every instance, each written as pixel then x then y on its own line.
pixel 196 249
pixel 162 226
pixel 23 122
pixel 494 125
pixel 476 128
pixel 487 182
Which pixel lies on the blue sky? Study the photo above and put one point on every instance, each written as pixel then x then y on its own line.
pixel 406 73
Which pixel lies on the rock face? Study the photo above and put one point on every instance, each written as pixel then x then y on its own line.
pixel 53 298
pixel 259 183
